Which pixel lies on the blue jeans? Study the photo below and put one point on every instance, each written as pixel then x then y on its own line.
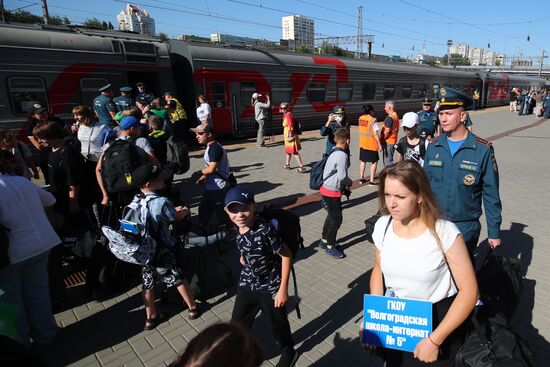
pixel 26 286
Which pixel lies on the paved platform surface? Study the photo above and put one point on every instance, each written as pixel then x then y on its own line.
pixel 110 333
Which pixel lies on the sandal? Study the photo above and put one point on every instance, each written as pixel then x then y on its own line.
pixel 194 313
pixel 301 170
pixel 152 323
pixel 286 166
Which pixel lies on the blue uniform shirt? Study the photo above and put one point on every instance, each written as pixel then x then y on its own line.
pixel 329 133
pixel 460 182
pixel 123 103
pixel 428 122
pixel 102 106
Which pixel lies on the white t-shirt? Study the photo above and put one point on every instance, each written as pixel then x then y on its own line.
pixel 92 138
pixel 203 110
pixel 415 268
pixel 22 212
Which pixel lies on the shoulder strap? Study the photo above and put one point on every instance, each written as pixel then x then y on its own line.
pixel 333 172
pixel 422 147
pixel 386 230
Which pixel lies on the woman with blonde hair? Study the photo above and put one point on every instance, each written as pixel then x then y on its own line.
pixel 421 256
pixel 291 139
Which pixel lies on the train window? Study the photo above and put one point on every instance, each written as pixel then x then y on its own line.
pixel 26 92
pixel 217 92
pixel 406 91
pixel 389 91
pixel 316 92
pixel 369 91
pixel 281 92
pixel 89 89
pixel 116 46
pixel 345 92
pixel 247 89
pixel 421 91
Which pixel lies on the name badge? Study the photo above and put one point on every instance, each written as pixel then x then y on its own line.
pixel 396 323
pixel 435 163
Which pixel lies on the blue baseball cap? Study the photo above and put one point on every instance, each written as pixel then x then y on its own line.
pixel 128 122
pixel 239 195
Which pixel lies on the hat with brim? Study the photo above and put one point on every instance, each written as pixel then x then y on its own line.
pixel 339 110
pixel 37 109
pixel 148 173
pixel 128 122
pixel 410 120
pixel 451 98
pixel 427 102
pixel 239 195
pixel 139 84
pixel 126 89
pixel 202 128
pixel 105 87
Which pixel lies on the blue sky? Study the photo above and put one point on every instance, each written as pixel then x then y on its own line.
pixel 400 26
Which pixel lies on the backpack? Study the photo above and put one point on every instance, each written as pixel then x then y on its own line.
pixel 177 155
pixel 297 127
pixel 119 161
pixel 316 174
pixel 290 231
pixel 133 242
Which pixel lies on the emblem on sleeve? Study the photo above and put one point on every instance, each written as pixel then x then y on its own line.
pixel 469 179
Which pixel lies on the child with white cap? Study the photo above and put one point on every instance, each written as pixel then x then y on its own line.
pixel 411 146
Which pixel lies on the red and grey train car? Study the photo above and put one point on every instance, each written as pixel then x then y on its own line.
pixel 63 67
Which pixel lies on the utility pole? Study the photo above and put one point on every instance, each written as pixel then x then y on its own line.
pixel 45 13
pixel 541 62
pixel 359 40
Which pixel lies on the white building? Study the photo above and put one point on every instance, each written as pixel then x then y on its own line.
pixel 229 39
pixel 134 19
pixel 299 29
pixel 460 49
pixel 476 56
pixel 490 58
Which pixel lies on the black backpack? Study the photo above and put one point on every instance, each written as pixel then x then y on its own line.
pixel 119 161
pixel 316 174
pixel 177 155
pixel 290 232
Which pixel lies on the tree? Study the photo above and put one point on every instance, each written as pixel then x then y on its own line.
pixel 328 49
pixel 304 49
pixel 94 23
pixel 163 37
pixel 498 62
pixel 23 16
pixel 111 25
pixel 455 59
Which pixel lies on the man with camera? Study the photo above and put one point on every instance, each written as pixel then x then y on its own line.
pixel 260 115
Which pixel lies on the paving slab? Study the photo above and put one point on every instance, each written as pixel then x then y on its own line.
pixel 111 333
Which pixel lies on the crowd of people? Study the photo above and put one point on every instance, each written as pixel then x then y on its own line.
pixel 527 102
pixel 430 192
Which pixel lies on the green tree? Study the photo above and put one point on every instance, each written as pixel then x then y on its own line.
pixel 163 37
pixel 95 23
pixel 328 49
pixel 304 49
pixel 455 59
pixel 498 62
pixel 23 16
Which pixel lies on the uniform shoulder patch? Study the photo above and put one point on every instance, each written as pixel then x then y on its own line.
pixel 482 141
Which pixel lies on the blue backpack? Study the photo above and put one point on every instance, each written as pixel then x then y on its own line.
pixel 316 174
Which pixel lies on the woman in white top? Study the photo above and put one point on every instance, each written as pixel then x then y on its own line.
pixel 204 112
pixel 421 256
pixel 30 236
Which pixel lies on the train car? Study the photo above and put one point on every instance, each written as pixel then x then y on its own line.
pixel 312 84
pixel 60 67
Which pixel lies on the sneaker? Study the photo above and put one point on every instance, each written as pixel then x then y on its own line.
pixel 363 181
pixel 334 252
pixel 323 244
pixel 287 359
pixel 373 183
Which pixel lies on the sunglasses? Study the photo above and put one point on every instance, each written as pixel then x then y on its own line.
pixel 200 133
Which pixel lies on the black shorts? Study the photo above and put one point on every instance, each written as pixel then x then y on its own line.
pixel 369 156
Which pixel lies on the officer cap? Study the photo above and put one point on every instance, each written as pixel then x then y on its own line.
pixel 139 84
pixel 339 109
pixel 126 89
pixel 168 94
pixel 450 98
pixel 427 101
pixel 105 87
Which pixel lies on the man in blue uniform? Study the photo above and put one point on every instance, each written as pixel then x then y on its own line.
pixel 463 171
pixel 124 101
pixel 104 107
pixel 143 93
pixel 428 120
pixel 546 105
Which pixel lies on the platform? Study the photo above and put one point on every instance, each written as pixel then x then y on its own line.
pixel 110 333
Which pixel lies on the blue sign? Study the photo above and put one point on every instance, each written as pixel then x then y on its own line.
pixel 395 323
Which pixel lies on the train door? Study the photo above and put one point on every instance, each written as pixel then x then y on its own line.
pixel 241 94
pixel 218 95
